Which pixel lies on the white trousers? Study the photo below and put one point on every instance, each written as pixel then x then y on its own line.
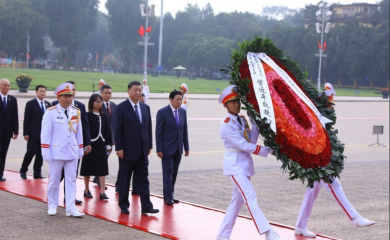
pixel 243 192
pixel 311 194
pixel 53 187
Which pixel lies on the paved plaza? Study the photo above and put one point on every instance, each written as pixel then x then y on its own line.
pixel 365 178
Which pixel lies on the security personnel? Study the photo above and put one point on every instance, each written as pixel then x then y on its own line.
pixel 101 83
pixel 334 188
pixel 240 143
pixel 62 146
pixel 145 90
pixel 184 90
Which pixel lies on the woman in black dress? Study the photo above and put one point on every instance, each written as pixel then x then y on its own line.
pixel 96 162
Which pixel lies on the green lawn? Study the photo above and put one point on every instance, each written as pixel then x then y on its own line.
pixel 51 79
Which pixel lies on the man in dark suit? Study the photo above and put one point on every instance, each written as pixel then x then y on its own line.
pixel 85 127
pixel 33 114
pixel 109 108
pixel 133 143
pixel 171 138
pixel 9 122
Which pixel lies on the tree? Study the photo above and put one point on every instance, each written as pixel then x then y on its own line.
pixel 17 18
pixel 70 21
pixel 98 41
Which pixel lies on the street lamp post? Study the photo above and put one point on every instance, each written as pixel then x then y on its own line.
pixel 323 15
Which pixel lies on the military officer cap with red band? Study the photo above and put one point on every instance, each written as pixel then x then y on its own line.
pixel 64 89
pixel 102 82
pixel 228 94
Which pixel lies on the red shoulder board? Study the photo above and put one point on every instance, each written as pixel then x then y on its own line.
pixel 227 120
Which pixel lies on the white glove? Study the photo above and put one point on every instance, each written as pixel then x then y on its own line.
pixel 47 158
pixel 264 151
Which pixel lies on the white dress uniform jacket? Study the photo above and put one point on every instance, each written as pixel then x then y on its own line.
pixel 145 91
pixel 55 125
pixel 185 103
pixel 238 159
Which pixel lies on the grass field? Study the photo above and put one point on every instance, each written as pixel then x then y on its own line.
pixel 51 79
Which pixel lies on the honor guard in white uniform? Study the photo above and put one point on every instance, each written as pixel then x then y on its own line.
pixel 333 188
pixel 62 146
pixel 184 90
pixel 101 83
pixel 240 143
pixel 145 90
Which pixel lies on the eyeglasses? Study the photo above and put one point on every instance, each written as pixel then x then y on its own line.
pixel 99 102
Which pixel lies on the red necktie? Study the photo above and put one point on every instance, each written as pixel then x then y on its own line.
pixel 108 110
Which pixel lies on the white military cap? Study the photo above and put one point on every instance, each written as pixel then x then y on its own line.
pixel 102 82
pixel 184 86
pixel 228 94
pixel 145 80
pixel 64 89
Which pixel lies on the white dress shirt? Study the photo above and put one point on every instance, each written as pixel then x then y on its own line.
pixel 43 102
pixel 139 109
pixel 109 105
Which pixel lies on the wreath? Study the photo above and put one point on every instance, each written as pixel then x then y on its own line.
pixel 308 151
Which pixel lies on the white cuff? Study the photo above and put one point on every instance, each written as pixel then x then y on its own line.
pixel 264 151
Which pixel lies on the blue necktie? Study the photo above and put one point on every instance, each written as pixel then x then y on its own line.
pixel 177 119
pixel 43 109
pixel 136 113
pixel 5 103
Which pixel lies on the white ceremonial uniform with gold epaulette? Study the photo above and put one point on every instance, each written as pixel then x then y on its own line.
pixel 62 146
pixel 145 91
pixel 240 143
pixel 185 102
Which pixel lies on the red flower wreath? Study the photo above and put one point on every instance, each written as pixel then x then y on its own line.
pixel 299 132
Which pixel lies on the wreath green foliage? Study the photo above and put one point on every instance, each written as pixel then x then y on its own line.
pixel 336 165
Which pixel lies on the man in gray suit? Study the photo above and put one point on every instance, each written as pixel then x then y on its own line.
pixel 171 138
pixel 108 108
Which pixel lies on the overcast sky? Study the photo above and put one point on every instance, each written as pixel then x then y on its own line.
pixel 253 6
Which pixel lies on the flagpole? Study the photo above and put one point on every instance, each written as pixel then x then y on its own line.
pixel 146 42
pixel 161 35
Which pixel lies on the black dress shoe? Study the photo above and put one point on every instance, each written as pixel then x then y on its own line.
pixel 104 197
pixel 169 202
pixel 38 176
pixel 125 211
pixel 134 192
pixel 2 179
pixel 77 202
pixel 88 194
pixel 23 175
pixel 152 210
pixel 176 201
